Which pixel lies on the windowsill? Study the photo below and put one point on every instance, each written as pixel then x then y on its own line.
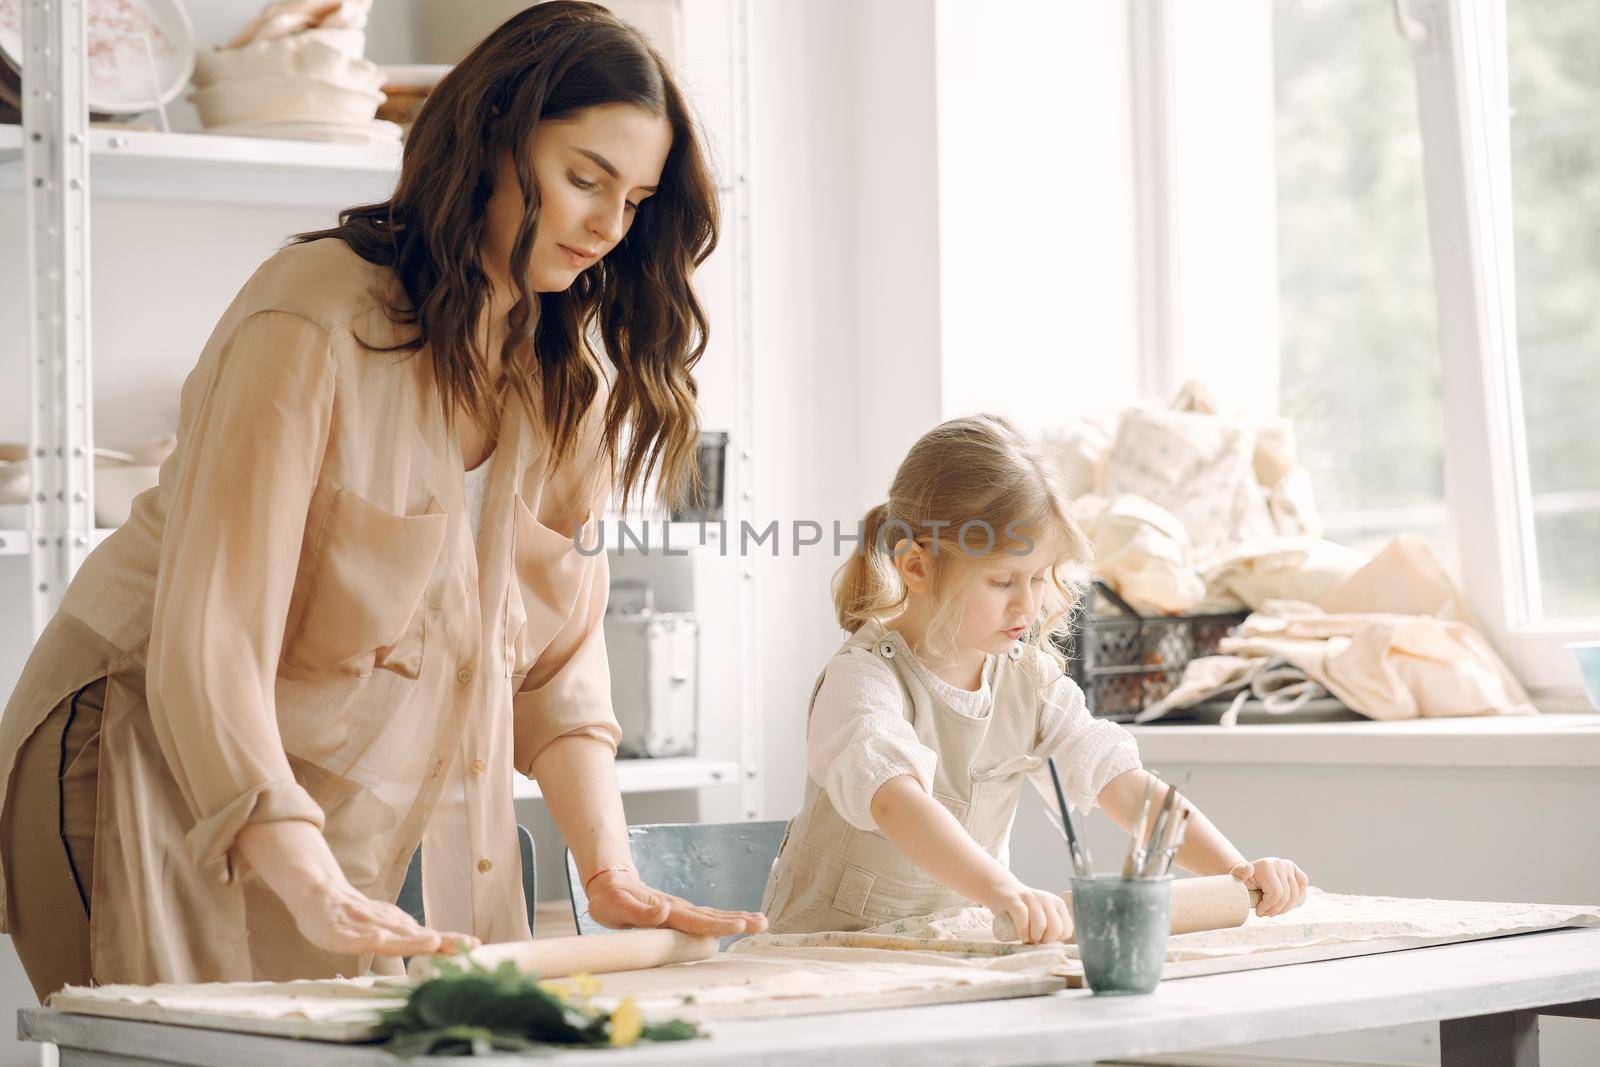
pixel 1550 740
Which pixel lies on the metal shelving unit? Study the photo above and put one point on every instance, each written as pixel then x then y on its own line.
pixel 60 166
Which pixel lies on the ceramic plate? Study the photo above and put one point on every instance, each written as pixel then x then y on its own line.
pixel 121 79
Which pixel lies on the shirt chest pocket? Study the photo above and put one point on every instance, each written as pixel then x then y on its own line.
pixel 547 571
pixel 995 792
pixel 358 605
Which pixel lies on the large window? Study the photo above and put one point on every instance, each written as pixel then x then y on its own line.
pixel 1553 67
pixel 1426 250
pixel 1359 369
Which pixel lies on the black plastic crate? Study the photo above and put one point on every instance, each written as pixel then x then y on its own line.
pixel 1124 661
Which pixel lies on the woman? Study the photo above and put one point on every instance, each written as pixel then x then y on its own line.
pixel 353 604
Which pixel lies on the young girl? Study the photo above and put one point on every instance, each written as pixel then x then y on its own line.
pixel 948 693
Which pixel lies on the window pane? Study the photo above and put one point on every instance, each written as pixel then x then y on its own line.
pixel 1360 368
pixel 1553 52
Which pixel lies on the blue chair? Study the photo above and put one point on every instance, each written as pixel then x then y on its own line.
pixel 719 865
pixel 410 900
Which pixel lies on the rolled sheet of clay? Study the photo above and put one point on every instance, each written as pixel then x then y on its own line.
pixel 1219 902
pixel 557 957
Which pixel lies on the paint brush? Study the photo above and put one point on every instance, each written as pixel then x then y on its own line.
pixel 1164 843
pixel 1136 841
pixel 1147 868
pixel 1171 851
pixel 1080 852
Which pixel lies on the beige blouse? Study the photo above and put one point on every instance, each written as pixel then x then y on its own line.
pixel 299 624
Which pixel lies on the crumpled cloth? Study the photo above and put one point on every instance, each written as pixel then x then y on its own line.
pixel 1284 568
pixel 1385 666
pixel 1279 688
pixel 1405 578
pixel 1142 551
pixel 1191 510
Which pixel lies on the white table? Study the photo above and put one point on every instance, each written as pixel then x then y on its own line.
pixel 1485 995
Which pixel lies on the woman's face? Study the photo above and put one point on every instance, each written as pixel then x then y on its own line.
pixel 593 170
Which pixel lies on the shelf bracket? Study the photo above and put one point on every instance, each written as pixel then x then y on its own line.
pixel 55 152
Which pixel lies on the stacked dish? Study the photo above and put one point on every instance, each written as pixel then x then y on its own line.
pixel 296 72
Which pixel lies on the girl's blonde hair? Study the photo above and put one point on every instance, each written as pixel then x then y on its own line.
pixel 973 489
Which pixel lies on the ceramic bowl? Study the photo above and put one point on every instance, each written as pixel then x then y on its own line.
pixel 121 80
pixel 1588 653
pixel 301 56
pixel 14 483
pixel 283 100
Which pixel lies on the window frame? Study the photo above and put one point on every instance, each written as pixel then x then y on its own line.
pixel 1459 53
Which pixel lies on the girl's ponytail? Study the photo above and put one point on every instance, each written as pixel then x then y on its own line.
pixel 868 585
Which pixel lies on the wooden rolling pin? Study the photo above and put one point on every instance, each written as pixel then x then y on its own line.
pixel 1216 903
pixel 557 957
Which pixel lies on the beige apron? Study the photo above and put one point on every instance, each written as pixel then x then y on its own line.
pixel 829 875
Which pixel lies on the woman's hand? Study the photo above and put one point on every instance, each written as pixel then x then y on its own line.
pixel 618 899
pixel 1282 884
pixel 337 917
pixel 1036 916
pixel 294 859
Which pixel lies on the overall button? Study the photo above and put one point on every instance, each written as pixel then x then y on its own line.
pixel 485 866
pixel 464 676
pixel 1016 651
pixel 886 650
pixel 478 766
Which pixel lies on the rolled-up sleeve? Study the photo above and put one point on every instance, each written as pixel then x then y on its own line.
pixel 1089 752
pixel 859 737
pixel 236 517
pixel 567 693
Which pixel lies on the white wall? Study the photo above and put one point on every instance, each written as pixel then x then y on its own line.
pixel 1036 201
pixel 1224 198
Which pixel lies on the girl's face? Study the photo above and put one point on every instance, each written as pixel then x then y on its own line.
pixel 1002 599
pixel 593 171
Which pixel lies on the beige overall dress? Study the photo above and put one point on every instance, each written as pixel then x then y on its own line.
pixel 830 875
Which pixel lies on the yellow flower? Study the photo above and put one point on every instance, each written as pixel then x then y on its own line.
pixel 555 988
pixel 626 1023
pixel 586 984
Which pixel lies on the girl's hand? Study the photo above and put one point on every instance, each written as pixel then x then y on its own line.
pixel 618 899
pixel 337 917
pixel 1036 916
pixel 1282 884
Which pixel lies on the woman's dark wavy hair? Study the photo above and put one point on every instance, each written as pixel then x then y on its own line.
pixel 550 62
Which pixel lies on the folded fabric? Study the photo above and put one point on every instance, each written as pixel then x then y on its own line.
pixel 1200 468
pixel 1283 568
pixel 1142 551
pixel 1406 578
pixel 1204 679
pixel 1386 666
pixel 1290 499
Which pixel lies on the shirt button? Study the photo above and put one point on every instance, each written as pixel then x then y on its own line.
pixel 478 766
pixel 485 866
pixel 464 676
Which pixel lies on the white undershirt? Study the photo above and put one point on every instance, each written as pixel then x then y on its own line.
pixel 476 480
pixel 859 736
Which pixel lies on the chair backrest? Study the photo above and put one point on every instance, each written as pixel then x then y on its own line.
pixel 410 899
pixel 719 865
